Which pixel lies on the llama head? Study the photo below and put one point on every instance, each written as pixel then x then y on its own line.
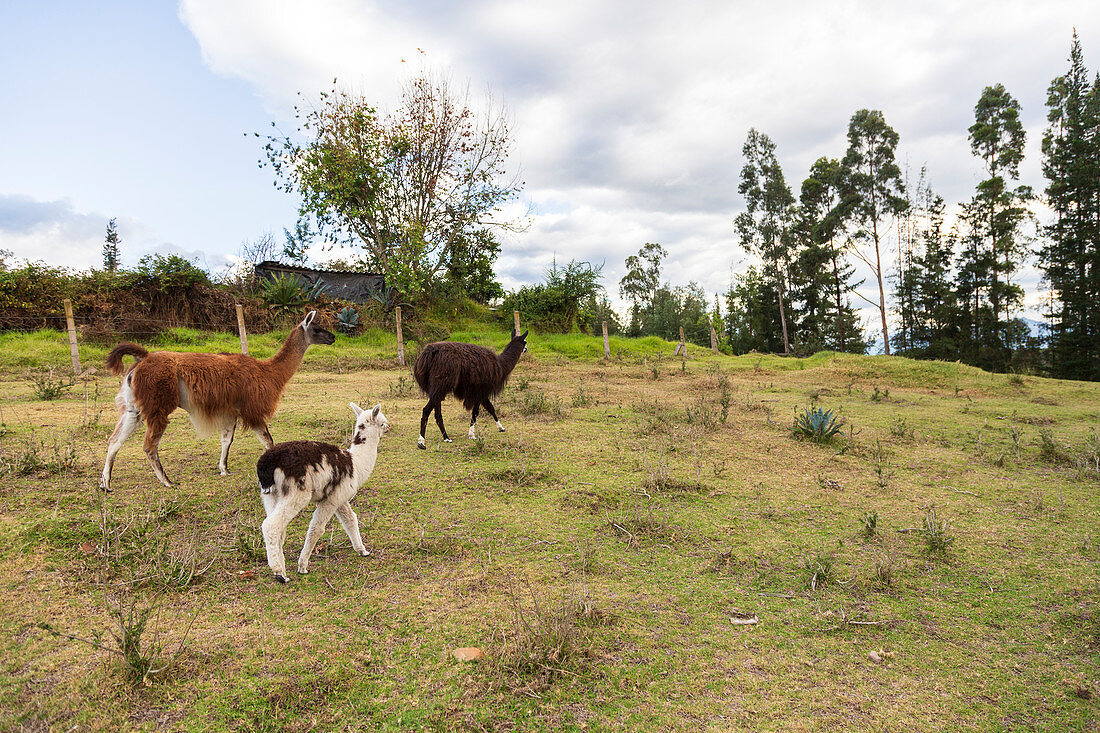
pixel 316 334
pixel 368 421
pixel 522 337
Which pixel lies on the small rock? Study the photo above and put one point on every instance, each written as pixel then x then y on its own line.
pixel 874 657
pixel 88 547
pixel 468 654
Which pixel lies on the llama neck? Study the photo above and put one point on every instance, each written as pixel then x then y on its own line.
pixel 287 361
pixel 510 356
pixel 363 457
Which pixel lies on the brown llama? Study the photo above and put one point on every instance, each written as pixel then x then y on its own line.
pixel 471 373
pixel 214 389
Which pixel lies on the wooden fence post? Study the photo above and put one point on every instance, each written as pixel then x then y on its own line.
pixel 515 317
pixel 73 349
pixel 400 337
pixel 683 343
pixel 713 338
pixel 606 343
pixel 240 329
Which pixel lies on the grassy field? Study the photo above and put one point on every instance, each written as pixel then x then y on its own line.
pixel 934 567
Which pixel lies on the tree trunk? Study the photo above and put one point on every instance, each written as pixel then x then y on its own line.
pixel 881 290
pixel 838 326
pixel 782 311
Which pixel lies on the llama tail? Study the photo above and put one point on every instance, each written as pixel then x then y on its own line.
pixel 114 359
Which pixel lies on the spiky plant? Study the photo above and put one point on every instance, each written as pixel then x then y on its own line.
pixel 817 424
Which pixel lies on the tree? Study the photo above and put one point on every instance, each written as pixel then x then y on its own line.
pixel 559 303
pixel 765 226
pixel 873 189
pixel 408 188
pixel 639 284
pixel 470 266
pixel 825 275
pixel 995 246
pixel 751 313
pixel 1071 257
pixel 110 247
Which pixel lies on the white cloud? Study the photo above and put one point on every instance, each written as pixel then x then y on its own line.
pixel 629 117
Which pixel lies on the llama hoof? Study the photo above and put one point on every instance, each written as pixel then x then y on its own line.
pixel 104 487
pixel 281 578
pixel 500 428
pixel 447 440
pixel 421 446
pixel 303 570
pixel 223 472
pixel 365 553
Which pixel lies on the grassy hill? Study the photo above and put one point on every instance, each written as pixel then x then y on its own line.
pixel 936 566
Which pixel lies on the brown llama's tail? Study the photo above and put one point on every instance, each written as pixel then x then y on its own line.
pixel 114 359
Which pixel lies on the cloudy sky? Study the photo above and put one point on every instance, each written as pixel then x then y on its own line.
pixel 628 116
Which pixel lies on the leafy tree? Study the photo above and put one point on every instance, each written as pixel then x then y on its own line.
pixel 470 266
pixel 110 247
pixel 995 246
pixel 1071 257
pixel 764 227
pixel 410 188
pixel 873 191
pixel 639 284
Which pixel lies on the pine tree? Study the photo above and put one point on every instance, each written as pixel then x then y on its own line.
pixel 1071 257
pixel 110 247
pixel 765 226
pixel 825 275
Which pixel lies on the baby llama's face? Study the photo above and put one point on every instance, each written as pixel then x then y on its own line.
pixel 368 422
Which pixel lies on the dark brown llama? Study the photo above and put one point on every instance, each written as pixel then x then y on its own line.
pixel 214 389
pixel 471 373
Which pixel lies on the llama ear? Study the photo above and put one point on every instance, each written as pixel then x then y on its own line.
pixel 374 413
pixel 524 335
pixel 355 408
pixel 309 319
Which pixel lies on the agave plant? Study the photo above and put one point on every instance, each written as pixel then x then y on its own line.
pixel 817 424
pixel 347 320
pixel 287 293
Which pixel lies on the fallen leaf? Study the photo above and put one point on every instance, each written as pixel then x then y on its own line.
pixel 468 654
pixel 88 547
pixel 246 574
pixel 874 657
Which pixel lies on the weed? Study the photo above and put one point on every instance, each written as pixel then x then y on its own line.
pixel 660 479
pixel 403 387
pixel 142 657
pixel 703 413
pixel 92 410
pixel 34 456
pixel 1017 441
pixel 475 447
pixel 817 424
pixel 522 384
pixel 819 570
pixel 884 569
pixel 638 526
pixel 536 402
pixel 547 641
pixel 1016 379
pixel 725 400
pixel 249 538
pixel 883 474
pixel 878 396
pixel 47 386
pixel 1087 460
pixel 580 397
pixel 937 539
pixel 869 524
pixel 1050 451
pixel 900 429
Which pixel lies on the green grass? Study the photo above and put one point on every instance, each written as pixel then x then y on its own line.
pixel 569 550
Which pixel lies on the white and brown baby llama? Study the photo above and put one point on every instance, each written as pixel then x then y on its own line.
pixel 298 472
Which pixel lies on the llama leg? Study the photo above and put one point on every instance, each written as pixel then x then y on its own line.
pixel 473 419
pixel 279 513
pixel 317 525
pixel 127 423
pixel 424 424
pixel 350 523
pixel 155 425
pixel 439 422
pixel 228 430
pixel 493 414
